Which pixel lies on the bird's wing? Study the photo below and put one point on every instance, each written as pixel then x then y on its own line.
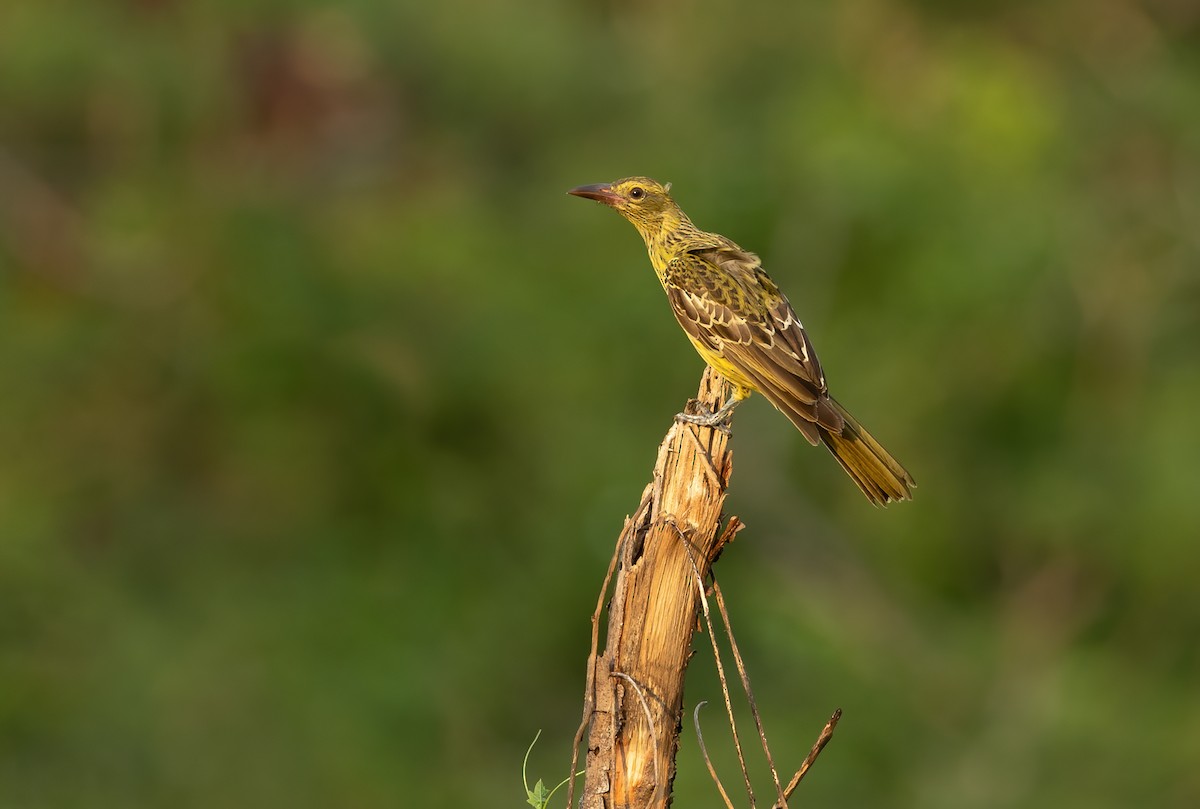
pixel 725 300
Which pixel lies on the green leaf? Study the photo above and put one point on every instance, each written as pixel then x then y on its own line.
pixel 539 796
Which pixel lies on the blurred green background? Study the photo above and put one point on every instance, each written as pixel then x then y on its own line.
pixel 321 405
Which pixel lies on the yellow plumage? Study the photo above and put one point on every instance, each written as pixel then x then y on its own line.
pixel 744 327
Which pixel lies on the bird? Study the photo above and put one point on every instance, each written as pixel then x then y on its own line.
pixel 743 326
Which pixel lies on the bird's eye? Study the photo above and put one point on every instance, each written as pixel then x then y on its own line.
pixel 637 192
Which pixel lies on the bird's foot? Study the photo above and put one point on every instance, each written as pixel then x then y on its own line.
pixel 705 420
pixel 719 420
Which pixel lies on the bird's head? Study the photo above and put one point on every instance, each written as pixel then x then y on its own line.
pixel 644 202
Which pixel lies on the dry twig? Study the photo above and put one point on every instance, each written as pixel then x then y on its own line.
pixel 589 688
pixel 704 752
pixel 650 721
pixel 741 667
pixel 712 636
pixel 818 746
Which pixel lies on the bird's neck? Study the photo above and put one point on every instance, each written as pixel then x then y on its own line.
pixel 665 237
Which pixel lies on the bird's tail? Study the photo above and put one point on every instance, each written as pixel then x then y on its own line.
pixel 880 476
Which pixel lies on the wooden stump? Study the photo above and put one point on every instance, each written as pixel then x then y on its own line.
pixel 636 684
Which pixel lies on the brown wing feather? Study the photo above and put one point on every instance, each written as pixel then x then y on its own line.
pixel 733 311
pixel 725 301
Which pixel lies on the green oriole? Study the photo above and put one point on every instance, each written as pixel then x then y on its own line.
pixel 744 327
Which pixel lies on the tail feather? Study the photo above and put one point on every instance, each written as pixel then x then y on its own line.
pixel 880 476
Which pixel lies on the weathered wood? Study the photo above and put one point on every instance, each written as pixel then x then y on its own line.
pixel 637 693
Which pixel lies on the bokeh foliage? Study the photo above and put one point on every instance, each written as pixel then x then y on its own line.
pixel 321 404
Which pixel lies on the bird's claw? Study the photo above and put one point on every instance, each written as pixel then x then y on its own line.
pixel 718 421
